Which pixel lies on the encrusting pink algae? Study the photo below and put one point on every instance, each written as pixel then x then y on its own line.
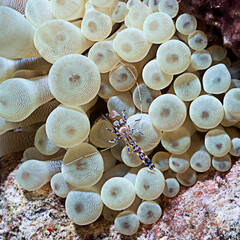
pixel 208 210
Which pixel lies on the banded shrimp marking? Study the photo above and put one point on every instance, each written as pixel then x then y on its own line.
pixel 123 131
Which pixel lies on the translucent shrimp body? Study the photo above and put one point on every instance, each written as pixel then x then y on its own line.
pixel 124 131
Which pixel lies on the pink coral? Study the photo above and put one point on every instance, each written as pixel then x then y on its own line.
pixel 208 210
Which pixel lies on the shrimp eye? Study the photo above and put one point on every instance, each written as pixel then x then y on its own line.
pixel 116 123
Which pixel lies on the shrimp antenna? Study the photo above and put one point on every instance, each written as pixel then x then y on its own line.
pixel 140 98
pixel 107 120
pixel 91 154
pixel 88 155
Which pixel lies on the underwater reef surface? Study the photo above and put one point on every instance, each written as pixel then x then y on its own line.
pixel 208 210
pixel 222 15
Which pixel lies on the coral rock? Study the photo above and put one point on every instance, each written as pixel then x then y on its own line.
pixel 222 14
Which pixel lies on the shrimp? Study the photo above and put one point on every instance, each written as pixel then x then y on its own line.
pixel 124 131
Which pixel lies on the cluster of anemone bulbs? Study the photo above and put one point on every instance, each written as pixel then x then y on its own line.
pixel 61 57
